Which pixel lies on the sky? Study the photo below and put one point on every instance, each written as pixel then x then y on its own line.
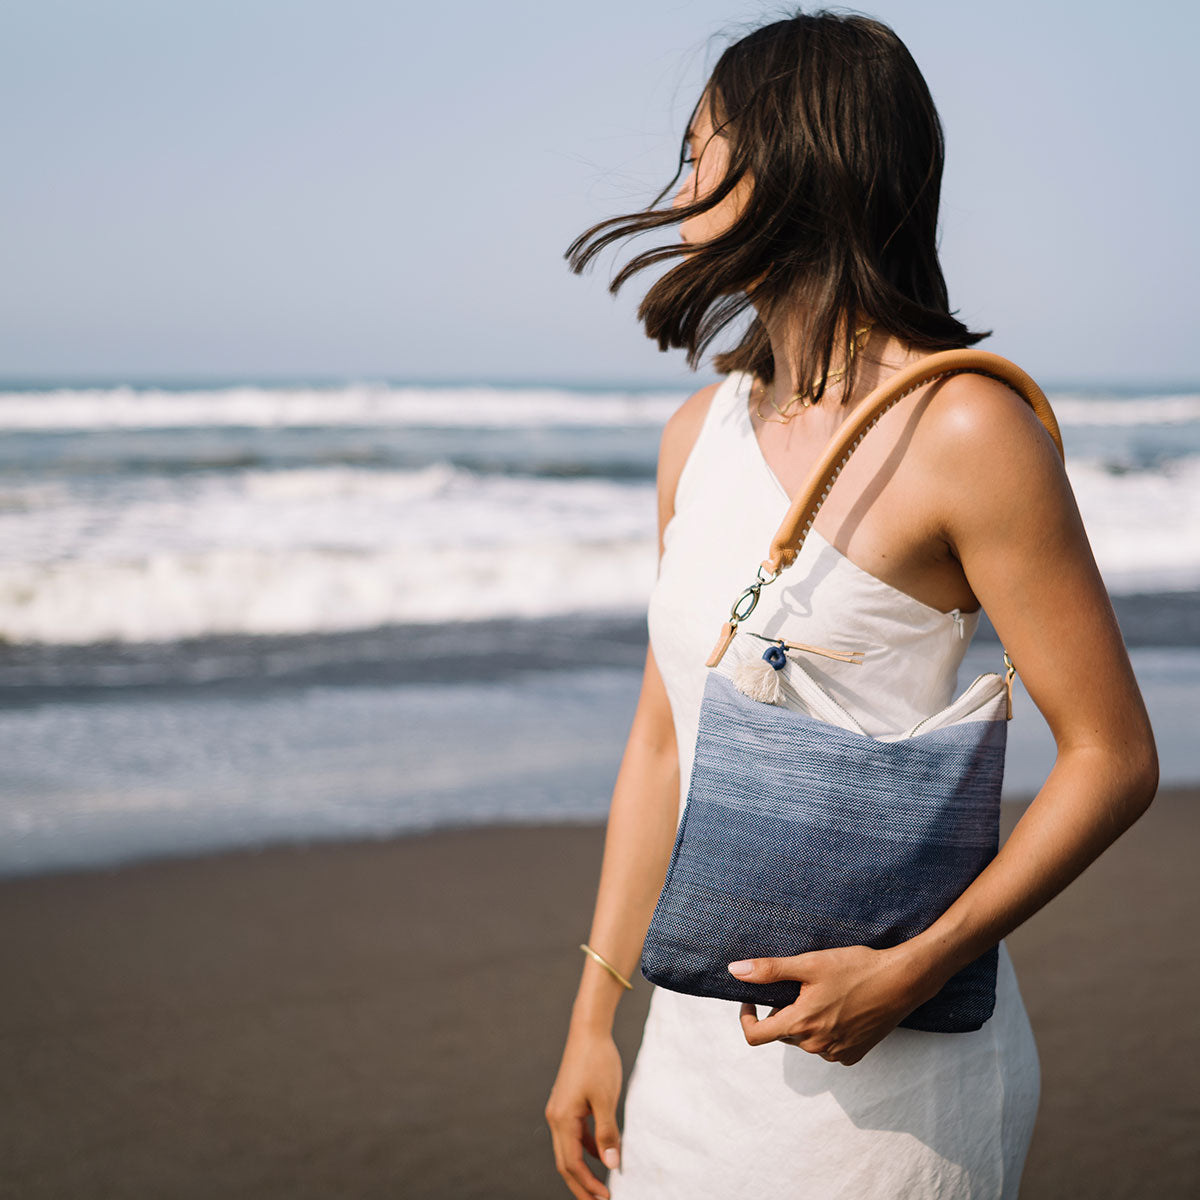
pixel 361 189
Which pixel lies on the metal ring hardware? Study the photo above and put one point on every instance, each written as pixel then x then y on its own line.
pixel 752 591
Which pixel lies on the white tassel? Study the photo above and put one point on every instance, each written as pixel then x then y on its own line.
pixel 756 678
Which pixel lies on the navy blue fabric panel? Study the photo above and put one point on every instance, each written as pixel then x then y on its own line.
pixel 799 835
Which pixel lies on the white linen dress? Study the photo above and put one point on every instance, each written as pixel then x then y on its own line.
pixel 923 1114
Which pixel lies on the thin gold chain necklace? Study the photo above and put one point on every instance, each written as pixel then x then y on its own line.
pixel 804 396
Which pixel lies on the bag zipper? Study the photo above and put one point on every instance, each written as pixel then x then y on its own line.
pixel 836 710
pixel 986 677
pixel 834 713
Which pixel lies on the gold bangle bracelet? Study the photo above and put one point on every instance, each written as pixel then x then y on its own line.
pixel 606 965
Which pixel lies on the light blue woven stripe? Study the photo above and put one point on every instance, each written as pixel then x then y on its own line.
pixel 942 786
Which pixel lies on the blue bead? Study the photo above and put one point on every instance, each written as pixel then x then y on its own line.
pixel 775 656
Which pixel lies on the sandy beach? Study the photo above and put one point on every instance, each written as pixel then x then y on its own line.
pixel 385 1019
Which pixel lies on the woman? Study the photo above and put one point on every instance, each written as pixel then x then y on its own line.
pixel 816 157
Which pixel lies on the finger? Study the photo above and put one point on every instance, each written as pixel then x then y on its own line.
pixel 589 1142
pixel 750 1011
pixel 579 1191
pixel 748 968
pixel 759 1031
pixel 564 1169
pixel 577 1164
pixel 757 970
pixel 837 1052
pixel 590 1188
pixel 608 1137
pixel 767 970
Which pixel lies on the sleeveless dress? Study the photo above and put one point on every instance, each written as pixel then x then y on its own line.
pixel 706 1114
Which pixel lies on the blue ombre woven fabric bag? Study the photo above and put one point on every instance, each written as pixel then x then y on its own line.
pixel 802 832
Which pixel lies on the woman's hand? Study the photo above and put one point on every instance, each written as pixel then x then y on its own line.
pixel 851 998
pixel 588 1081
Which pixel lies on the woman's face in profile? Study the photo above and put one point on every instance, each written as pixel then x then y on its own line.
pixel 710 158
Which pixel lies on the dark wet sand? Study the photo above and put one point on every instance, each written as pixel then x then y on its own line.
pixel 385 1019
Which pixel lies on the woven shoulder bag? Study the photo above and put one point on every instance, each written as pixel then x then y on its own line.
pixel 802 832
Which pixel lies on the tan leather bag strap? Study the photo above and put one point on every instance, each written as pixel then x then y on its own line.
pixel 789 538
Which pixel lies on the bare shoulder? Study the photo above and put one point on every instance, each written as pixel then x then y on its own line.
pixel 982 451
pixel 678 437
pixel 979 417
pixel 683 426
pixel 986 459
pixel 1005 508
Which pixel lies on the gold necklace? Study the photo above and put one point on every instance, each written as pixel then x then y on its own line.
pixel 805 395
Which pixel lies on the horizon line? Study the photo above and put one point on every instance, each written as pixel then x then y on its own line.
pixel 178 381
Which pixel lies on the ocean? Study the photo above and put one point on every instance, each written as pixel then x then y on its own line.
pixel 243 614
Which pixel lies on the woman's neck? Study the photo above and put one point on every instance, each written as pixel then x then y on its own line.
pixel 879 355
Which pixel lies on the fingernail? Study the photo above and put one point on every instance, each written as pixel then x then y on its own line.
pixel 741 968
pixel 612 1158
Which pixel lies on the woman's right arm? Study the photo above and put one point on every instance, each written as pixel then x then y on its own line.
pixel 642 822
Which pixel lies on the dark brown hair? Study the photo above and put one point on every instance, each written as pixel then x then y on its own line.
pixel 834 123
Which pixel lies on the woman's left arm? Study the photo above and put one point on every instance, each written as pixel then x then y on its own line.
pixel 1011 519
pixel 1006 511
